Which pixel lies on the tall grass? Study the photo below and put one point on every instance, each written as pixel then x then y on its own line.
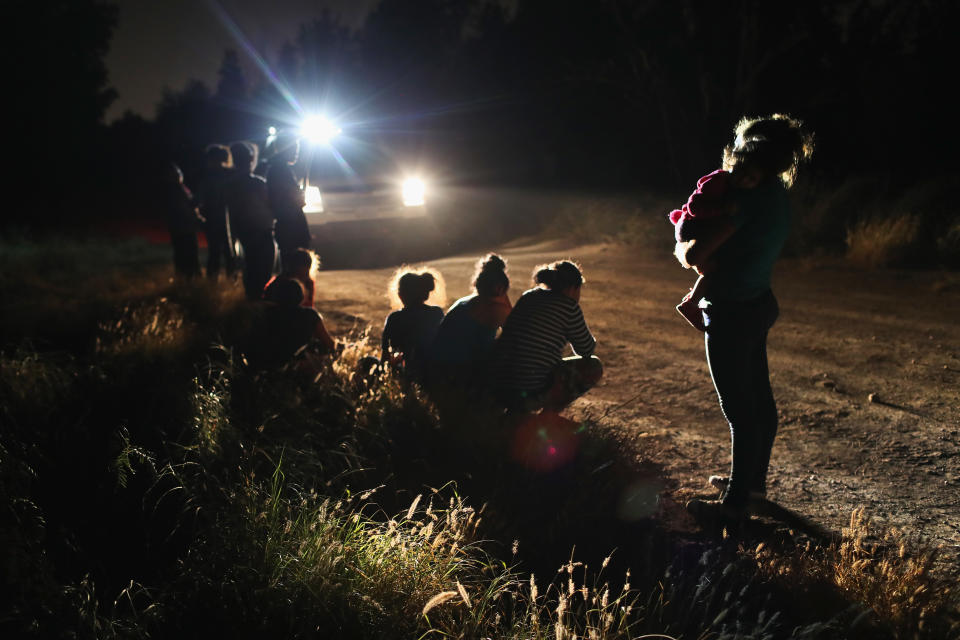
pixel 883 242
pixel 886 573
pixel 637 220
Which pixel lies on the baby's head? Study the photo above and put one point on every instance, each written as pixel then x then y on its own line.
pixel 766 147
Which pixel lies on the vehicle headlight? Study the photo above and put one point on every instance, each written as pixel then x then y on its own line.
pixel 413 192
pixel 318 129
pixel 314 203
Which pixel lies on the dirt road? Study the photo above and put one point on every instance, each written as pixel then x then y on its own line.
pixel 865 368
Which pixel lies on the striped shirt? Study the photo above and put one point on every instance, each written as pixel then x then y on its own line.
pixel 533 338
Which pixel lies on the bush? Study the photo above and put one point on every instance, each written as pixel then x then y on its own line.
pixel 883 242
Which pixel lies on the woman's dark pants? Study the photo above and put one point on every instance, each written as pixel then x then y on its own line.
pixel 736 341
pixel 186 255
pixel 259 253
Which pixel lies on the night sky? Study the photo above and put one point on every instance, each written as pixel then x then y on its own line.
pixel 165 44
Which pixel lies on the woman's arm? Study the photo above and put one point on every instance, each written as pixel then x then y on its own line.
pixel 323 336
pixel 711 234
pixel 579 335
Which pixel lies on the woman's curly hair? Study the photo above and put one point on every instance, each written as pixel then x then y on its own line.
pixel 778 144
pixel 412 285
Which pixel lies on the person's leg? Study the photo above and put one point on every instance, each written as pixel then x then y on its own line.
pixel 186 256
pixel 766 406
pixel 214 251
pixel 179 260
pixel 259 253
pixel 229 253
pixel 729 359
pixel 571 379
pixel 737 357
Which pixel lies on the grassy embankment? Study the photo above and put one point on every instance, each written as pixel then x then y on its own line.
pixel 865 222
pixel 152 486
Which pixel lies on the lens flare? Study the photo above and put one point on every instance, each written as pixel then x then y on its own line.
pixel 545 441
pixel 318 129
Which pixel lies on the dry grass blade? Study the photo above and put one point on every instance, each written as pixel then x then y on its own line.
pixel 439 599
pixel 463 595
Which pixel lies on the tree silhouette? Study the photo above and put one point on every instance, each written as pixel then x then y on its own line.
pixel 60 93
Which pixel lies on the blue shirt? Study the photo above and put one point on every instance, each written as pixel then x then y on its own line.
pixel 744 263
pixel 462 338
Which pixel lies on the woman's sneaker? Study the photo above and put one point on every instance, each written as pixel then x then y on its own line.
pixel 721 483
pixel 716 513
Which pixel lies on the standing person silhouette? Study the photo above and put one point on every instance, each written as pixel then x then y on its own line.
pixel 250 218
pixel 183 222
pixel 287 199
pixel 213 208
pixel 738 305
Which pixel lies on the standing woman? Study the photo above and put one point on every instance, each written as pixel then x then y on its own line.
pixel 528 371
pixel 250 219
pixel 740 308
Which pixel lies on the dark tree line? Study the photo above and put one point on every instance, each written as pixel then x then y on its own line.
pixel 625 93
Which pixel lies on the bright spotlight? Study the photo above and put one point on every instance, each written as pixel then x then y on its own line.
pixel 271 131
pixel 314 203
pixel 318 129
pixel 413 192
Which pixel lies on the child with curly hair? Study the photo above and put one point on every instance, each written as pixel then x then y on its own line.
pixel 408 333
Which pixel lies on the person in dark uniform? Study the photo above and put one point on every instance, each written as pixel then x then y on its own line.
pixel 213 208
pixel 286 199
pixel 182 222
pixel 250 218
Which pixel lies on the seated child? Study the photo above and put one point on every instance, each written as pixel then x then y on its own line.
pixel 714 197
pixel 300 266
pixel 409 332
pixel 285 328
